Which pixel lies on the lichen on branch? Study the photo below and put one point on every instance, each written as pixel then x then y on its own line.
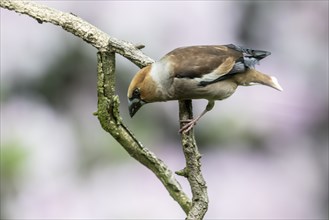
pixel 192 171
pixel 109 117
pixel 108 104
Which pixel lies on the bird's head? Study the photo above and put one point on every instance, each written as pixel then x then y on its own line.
pixel 142 90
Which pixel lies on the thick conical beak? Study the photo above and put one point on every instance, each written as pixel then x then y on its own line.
pixel 134 105
pixel 275 84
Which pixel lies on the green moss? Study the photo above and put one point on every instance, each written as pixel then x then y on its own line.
pixel 13 157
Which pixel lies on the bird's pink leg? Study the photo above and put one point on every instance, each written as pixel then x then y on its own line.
pixel 191 122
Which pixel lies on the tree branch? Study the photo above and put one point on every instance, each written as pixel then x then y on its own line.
pixel 108 115
pixel 80 28
pixel 192 171
pixel 108 103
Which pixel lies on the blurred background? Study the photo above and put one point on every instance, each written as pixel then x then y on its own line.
pixel 265 153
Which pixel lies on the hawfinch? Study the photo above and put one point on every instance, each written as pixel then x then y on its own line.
pixel 198 72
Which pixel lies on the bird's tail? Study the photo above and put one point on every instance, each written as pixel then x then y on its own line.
pixel 253 77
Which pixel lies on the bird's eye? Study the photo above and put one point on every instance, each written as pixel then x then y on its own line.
pixel 136 93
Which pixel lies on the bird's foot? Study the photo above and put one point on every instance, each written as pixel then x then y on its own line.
pixel 188 126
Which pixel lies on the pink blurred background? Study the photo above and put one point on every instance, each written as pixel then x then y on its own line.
pixel 265 153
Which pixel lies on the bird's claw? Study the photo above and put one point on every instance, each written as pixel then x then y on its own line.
pixel 188 126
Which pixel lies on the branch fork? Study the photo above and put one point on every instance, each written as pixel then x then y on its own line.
pixel 108 104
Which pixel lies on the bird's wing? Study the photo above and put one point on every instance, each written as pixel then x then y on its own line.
pixel 199 61
pixel 210 64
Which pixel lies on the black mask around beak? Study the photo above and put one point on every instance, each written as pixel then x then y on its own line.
pixel 134 105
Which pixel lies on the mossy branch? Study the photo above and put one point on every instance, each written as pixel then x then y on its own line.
pixel 192 171
pixel 108 103
pixel 109 117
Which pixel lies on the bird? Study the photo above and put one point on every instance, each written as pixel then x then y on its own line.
pixel 211 72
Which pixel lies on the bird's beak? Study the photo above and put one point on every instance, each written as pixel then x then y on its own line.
pixel 134 105
pixel 275 84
